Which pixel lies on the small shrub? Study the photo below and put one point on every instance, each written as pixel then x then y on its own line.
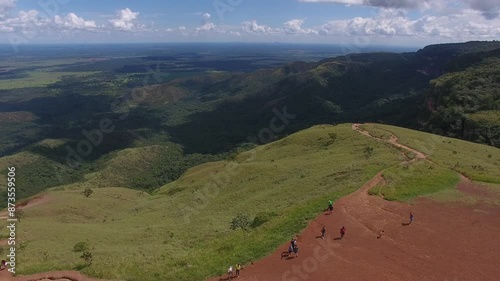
pixel 81 247
pixel 368 151
pixel 240 221
pixel 23 245
pixel 87 192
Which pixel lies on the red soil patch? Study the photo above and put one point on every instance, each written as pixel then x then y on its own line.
pixel 445 242
pixel 42 199
pixel 449 242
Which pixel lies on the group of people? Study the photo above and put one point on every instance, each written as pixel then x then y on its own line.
pixel 294 248
pixel 330 211
pixel 230 270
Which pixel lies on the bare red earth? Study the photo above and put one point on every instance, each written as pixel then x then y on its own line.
pixel 451 242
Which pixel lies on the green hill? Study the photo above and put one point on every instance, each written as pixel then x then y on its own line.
pixel 268 193
pixel 447 89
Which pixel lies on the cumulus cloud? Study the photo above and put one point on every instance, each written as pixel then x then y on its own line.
pixel 72 21
pixel 295 27
pixel 6 28
pixel 206 24
pixel 489 8
pixel 254 27
pixel 465 26
pixel 126 20
pixel 397 4
pixel 6 6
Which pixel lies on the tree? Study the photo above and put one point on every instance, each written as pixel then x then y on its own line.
pixel 87 192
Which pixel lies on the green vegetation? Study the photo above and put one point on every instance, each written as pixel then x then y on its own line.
pixel 38 79
pixel 136 236
pixel 408 181
pixel 376 132
pixel 34 174
pixel 466 103
pixel 87 192
pixel 266 194
pixel 81 247
pixel 188 147
pixel 476 161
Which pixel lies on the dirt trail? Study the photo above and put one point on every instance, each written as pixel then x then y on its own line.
pixel 449 242
pixel 42 199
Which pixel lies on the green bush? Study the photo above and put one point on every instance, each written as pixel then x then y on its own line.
pixel 240 221
pixel 81 247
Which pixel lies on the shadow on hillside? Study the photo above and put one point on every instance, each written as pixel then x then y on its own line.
pixel 67 116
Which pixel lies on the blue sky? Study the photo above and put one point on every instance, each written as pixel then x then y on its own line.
pixel 390 22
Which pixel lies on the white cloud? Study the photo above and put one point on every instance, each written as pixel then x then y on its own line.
pixel 397 4
pixel 72 21
pixel 295 27
pixel 6 28
pixel 206 24
pixel 126 20
pixel 468 25
pixel 254 27
pixel 6 6
pixel 489 8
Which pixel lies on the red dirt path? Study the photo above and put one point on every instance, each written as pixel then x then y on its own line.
pixel 450 242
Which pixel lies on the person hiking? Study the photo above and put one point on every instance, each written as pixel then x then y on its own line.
pixel 230 272
pixel 293 242
pixel 330 207
pixel 296 250
pixel 323 230
pixel 238 268
pixel 411 217
pixel 342 232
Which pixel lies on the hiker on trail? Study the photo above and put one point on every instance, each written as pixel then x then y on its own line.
pixel 342 232
pixel 230 272
pixel 293 242
pixel 411 217
pixel 296 250
pixel 287 254
pixel 323 230
pixel 330 207
pixel 238 268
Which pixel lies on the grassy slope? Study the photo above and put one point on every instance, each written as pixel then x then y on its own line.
pixel 165 242
pixel 182 231
pixel 476 161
